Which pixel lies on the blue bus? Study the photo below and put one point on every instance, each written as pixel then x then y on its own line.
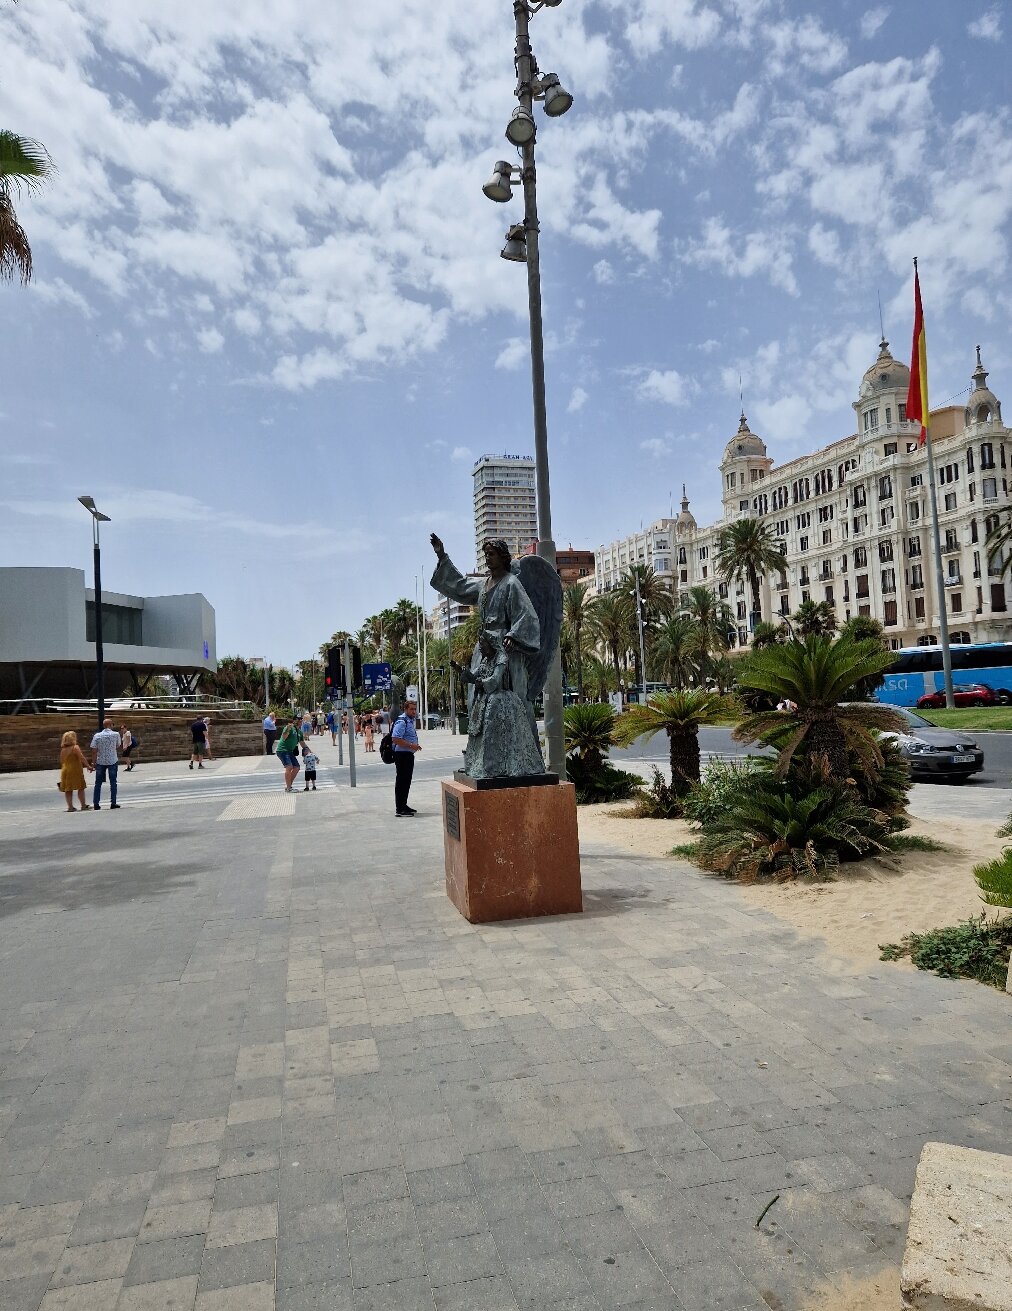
pixel 917 671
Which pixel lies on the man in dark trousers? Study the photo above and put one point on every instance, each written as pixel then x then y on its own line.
pixel 405 743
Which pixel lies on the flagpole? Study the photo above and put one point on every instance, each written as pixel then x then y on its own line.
pixel 943 618
pixel 917 405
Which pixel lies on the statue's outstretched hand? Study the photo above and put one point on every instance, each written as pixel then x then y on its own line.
pixel 437 545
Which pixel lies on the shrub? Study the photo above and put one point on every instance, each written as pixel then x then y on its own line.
pixel 590 730
pixel 659 800
pixel 977 948
pixel 886 786
pixel 783 830
pixel 601 782
pixel 723 782
pixel 994 878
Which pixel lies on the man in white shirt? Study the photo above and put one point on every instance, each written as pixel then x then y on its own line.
pixel 105 747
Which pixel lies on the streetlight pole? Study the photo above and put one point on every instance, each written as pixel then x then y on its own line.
pixel 97 517
pixel 522 246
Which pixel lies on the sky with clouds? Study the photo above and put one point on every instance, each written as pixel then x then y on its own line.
pixel 269 328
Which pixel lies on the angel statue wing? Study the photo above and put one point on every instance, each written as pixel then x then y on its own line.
pixel 543 585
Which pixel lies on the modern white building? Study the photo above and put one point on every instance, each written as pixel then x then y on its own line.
pixel 47 637
pixel 505 503
pixel 853 519
pixel 458 612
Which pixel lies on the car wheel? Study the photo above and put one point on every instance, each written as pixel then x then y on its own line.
pixel 1003 697
pixel 978 701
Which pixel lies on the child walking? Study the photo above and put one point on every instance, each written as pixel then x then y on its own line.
pixel 310 761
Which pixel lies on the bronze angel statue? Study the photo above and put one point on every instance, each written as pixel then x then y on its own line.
pixel 520 608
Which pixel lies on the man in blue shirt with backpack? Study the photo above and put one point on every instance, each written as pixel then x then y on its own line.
pixel 405 744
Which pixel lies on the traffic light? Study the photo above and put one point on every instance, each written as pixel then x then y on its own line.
pixel 356 666
pixel 334 676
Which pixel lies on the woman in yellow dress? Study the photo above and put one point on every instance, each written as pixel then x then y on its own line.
pixel 72 767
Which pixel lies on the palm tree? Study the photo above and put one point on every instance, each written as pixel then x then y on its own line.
pixel 656 603
pixel 818 676
pixel 610 624
pixel 24 165
pixel 403 622
pixel 814 619
pixel 590 733
pixel 711 617
pixel 766 634
pixel 599 677
pixel 576 611
pixel 335 639
pixel 680 715
pixel 746 549
pixel 678 653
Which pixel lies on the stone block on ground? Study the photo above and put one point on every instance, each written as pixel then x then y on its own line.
pixel 958 1255
pixel 511 853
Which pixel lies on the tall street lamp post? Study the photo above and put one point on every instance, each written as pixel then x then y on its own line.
pixel 97 517
pixel 522 247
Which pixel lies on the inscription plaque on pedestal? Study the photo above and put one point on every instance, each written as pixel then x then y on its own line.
pixel 452 806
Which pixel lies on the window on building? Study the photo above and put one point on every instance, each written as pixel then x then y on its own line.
pixel 890 614
pixel 951 540
pixel 743 505
pixel 827 536
pixel 918 607
pixel 952 569
pixel 860 557
pixel 989 488
pixel 903 412
pixel 886 516
pixel 957 603
pixel 885 487
pixel 871 420
pixel 732 481
pixel 740 609
pixel 888 580
pixel 803 544
pixel 885 552
pixel 804 520
pixel 861 587
pixel 890 447
pixel 843 564
pixel 969 459
pixel 950 500
pixel 973 530
pixel 859 497
pixel 722 591
pixel 917 480
pixel 914 511
pixel 683 575
pixel 916 575
pixel 913 546
pixel 804 579
pixel 785 605
pixel 705 570
pixel 826 513
pixel 987 455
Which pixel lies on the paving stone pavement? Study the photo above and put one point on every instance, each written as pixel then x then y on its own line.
pixel 264 1064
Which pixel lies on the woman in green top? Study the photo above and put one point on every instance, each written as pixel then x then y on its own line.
pixel 287 750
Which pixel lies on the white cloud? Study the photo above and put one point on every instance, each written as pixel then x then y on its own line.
pixel 745 255
pixel 603 273
pixel 514 353
pixel 686 23
pixel 462 454
pixel 824 244
pixel 872 20
pixel 987 27
pixel 210 340
pixel 668 387
pixel 577 400
pixel 656 447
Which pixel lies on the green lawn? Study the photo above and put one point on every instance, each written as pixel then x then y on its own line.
pixel 981 718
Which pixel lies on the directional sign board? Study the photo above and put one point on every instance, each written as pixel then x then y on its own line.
pixel 377 678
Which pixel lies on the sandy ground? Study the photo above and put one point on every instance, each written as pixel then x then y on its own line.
pixel 872 902
pixel 877 1292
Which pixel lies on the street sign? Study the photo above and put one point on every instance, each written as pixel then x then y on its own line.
pixel 411 694
pixel 377 677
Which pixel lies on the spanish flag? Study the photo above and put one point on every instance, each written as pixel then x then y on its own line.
pixel 917 394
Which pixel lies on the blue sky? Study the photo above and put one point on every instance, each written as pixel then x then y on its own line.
pixel 269 328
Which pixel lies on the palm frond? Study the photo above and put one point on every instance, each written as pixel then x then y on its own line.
pixel 15 251
pixel 23 162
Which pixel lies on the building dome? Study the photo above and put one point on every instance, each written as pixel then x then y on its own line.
pixel 744 443
pixel 686 521
pixel 886 374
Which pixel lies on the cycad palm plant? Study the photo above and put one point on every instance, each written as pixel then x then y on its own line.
pixel 817 676
pixel 680 715
pixel 746 549
pixel 24 166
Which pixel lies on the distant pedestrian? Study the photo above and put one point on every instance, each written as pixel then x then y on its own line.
pixel 307 724
pixel 310 762
pixel 332 725
pixel 129 744
pixel 319 723
pixel 288 750
pixel 73 763
pixel 105 747
pixel 207 736
pixel 198 732
pixel 405 744
pixel 369 732
pixel 270 732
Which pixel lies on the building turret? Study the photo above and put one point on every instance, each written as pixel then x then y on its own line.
pixel 983 406
pixel 686 522
pixel 743 469
pixel 882 398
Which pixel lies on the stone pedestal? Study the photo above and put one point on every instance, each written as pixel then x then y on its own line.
pixel 511 853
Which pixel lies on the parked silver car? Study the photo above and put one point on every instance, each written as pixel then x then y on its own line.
pixel 943 753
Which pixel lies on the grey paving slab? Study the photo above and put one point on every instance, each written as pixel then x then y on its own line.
pixel 292 1076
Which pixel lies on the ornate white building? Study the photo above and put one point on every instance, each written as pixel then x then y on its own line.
pixel 854 519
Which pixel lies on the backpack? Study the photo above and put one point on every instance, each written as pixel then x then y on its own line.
pixel 387 748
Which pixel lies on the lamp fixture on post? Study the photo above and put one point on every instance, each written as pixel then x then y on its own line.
pixel 97 517
pixel 522 248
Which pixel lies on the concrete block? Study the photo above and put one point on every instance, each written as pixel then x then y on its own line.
pixel 958 1255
